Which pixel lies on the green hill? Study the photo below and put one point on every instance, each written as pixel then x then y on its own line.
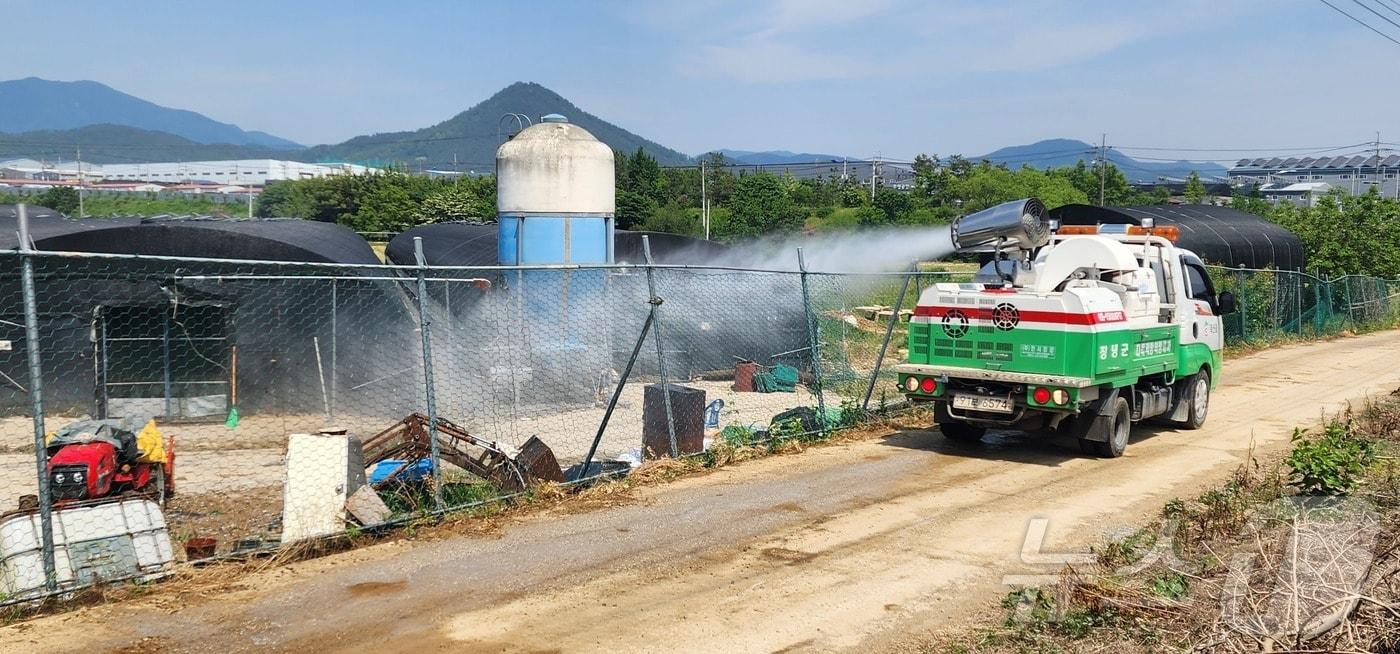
pixel 32 104
pixel 473 134
pixel 122 144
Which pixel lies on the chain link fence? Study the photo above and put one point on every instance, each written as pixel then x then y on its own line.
pixel 172 410
pixel 186 409
pixel 1280 304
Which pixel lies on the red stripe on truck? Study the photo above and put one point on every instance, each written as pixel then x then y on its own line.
pixel 985 313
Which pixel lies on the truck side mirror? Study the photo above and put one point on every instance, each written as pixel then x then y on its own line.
pixel 1225 303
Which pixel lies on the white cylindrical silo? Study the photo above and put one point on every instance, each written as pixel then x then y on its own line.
pixel 555 196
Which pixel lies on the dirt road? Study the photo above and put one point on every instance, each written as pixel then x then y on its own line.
pixel 837 548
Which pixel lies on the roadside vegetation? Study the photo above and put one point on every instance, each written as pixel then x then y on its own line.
pixel 1294 553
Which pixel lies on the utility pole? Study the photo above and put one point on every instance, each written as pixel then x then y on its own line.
pixel 704 202
pixel 1103 164
pixel 1380 179
pixel 83 213
pixel 874 172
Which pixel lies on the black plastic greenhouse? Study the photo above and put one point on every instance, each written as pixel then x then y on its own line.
pixel 1220 235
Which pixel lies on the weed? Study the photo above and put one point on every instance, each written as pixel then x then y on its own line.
pixel 790 428
pixel 1174 508
pixel 1171 585
pixel 1030 607
pixel 737 436
pixel 1079 623
pixel 1332 463
pixel 1126 551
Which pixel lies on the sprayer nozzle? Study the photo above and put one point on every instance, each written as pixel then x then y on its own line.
pixel 1019 223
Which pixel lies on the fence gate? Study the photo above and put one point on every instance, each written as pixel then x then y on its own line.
pixel 162 360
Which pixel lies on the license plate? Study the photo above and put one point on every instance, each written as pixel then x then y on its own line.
pixel 982 403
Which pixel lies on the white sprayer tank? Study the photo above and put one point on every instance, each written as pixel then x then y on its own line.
pixel 555 196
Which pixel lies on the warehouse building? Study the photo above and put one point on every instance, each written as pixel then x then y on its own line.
pixel 1279 178
pixel 254 172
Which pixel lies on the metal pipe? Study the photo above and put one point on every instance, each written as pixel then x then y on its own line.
pixel 36 398
pixel 106 368
pixel 424 327
pixel 406 270
pixel 321 374
pixel 335 342
pixel 617 393
pixel 660 351
pixel 814 341
pixel 166 382
pixel 889 332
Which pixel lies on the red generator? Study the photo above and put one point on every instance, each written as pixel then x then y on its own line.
pixel 95 459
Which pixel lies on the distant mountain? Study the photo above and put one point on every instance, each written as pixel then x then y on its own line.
pixel 776 157
pixel 33 104
pixel 1052 153
pixel 472 136
pixel 122 144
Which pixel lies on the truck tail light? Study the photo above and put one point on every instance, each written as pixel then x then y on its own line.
pixel 1060 396
pixel 1041 395
pixel 911 384
pixel 928 385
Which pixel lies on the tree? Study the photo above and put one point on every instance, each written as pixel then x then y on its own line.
pixel 1345 234
pixel 894 203
pixel 63 199
pixel 1117 190
pixel 643 177
pixel 633 209
pixel 928 175
pixel 761 205
pixel 456 202
pixel 871 216
pixel 675 219
pixel 1195 190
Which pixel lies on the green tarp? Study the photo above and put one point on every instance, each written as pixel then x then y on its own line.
pixel 780 379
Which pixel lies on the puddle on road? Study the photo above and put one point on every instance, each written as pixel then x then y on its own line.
pixel 376 588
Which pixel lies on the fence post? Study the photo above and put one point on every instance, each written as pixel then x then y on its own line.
pixel 889 331
pixel 1244 307
pixel 813 343
pixel 1351 311
pixel 617 392
pixel 656 301
pixel 424 327
pixel 1318 320
pixel 36 397
pixel 1298 301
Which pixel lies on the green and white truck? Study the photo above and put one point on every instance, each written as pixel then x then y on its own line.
pixel 1082 329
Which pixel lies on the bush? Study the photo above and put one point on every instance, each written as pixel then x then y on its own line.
pixel 1332 463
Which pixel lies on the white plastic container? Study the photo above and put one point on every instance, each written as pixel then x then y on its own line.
pixel 108 541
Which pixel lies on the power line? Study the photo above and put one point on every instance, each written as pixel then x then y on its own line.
pixel 1219 149
pixel 1360 22
pixel 1377 13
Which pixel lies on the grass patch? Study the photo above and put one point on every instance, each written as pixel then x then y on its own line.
pixel 1313 534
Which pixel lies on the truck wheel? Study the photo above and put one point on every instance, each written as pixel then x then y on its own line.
pixel 1113 428
pixel 1197 400
pixel 961 431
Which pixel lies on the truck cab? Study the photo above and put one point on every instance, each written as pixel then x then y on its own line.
pixel 1099 328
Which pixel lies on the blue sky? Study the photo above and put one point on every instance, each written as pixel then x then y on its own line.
pixel 852 77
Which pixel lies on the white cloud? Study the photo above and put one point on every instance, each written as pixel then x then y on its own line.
pixel 803 40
